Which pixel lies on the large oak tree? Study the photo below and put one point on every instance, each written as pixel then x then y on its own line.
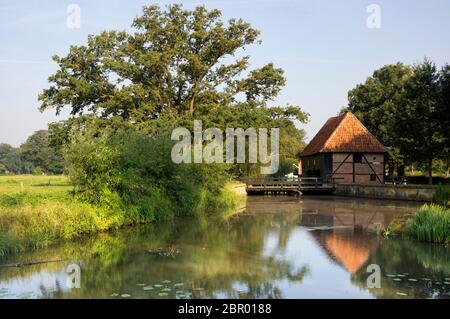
pixel 175 60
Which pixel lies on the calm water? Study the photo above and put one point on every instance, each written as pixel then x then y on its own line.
pixel 281 247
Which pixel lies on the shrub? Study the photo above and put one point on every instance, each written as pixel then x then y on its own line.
pixel 431 223
pixel 136 170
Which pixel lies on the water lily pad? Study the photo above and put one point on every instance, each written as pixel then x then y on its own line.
pixel 438 283
pixel 158 286
pixel 179 284
pixel 412 279
pixel 162 294
pixel 114 295
pixel 400 275
pixel 166 289
pixel 140 284
pixel 446 283
pixel 199 289
pixel 148 288
pixel 390 275
pixel 401 294
pixel 166 281
pixel 397 279
pixel 125 295
pixel 426 279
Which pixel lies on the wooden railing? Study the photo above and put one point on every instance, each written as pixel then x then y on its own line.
pixel 287 183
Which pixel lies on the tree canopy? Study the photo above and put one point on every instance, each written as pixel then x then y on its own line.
pixel 35 155
pixel 175 60
pixel 177 65
pixel 407 108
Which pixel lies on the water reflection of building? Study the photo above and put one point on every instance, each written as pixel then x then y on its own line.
pixel 344 235
pixel 350 250
pixel 343 227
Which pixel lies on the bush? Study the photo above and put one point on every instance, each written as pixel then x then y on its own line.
pixel 442 196
pixel 136 172
pixel 431 223
pixel 3 169
pixel 38 171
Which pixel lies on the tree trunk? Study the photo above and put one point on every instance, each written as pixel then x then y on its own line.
pixel 391 169
pixel 430 171
pixel 447 168
pixel 191 106
pixel 401 170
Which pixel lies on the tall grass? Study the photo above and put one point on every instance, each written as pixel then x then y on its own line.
pixel 44 213
pixel 431 223
pixel 442 196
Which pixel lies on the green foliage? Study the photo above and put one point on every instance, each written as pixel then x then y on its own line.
pixel 136 170
pixel 407 108
pixel 176 67
pixel 38 171
pixel 375 101
pixel 442 195
pixel 174 60
pixel 431 223
pixel 36 155
pixel 46 211
pixel 396 227
pixel 417 124
pixel 38 151
pixel 10 159
pixel 3 169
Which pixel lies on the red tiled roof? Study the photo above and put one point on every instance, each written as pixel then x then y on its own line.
pixel 343 134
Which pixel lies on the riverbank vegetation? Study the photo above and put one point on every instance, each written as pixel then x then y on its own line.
pixel 125 93
pixel 431 223
pixel 36 211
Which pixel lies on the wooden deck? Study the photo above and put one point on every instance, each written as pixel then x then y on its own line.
pixel 284 185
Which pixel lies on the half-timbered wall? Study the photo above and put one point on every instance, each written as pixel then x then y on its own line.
pixel 358 168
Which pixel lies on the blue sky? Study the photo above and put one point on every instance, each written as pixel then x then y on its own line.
pixel 325 47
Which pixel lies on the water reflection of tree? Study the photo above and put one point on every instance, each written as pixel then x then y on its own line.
pixel 418 260
pixel 217 257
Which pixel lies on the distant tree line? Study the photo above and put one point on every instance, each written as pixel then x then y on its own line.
pixel 408 109
pixel 36 156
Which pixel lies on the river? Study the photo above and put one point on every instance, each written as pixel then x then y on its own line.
pixel 279 247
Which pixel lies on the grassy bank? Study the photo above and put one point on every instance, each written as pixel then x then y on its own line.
pixel 431 223
pixel 36 211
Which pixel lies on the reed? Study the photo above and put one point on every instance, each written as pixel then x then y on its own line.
pixel 431 223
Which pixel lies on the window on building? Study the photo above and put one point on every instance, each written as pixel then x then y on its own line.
pixel 357 157
pixel 373 177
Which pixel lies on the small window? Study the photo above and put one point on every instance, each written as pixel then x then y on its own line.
pixel 374 158
pixel 357 157
pixel 373 177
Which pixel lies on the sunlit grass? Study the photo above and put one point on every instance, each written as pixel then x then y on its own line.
pixel 36 211
pixel 431 223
